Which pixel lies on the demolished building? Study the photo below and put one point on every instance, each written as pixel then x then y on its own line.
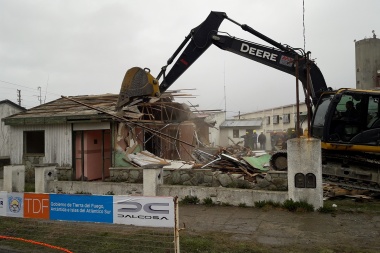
pixel 84 134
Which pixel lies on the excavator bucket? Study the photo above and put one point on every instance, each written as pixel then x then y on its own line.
pixel 137 84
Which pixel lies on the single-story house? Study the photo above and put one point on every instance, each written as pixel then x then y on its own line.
pixel 86 135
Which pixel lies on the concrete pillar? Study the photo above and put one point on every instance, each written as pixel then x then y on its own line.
pixel 305 171
pixel 152 178
pixel 14 178
pixel 42 176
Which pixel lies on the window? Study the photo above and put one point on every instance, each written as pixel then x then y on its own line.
pixel 34 142
pixel 286 118
pixel 235 133
pixel 268 120
pixel 275 119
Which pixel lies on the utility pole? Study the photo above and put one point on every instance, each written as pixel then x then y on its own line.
pixel 19 97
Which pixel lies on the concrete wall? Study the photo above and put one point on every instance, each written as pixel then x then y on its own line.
pixel 217 194
pixel 101 188
pixel 273 180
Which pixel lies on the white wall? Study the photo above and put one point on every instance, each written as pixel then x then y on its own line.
pixel 58 143
pixel 5 111
pixel 214 133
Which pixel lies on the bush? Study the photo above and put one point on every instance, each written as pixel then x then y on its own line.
pixel 293 206
pixel 260 204
pixel 208 202
pixel 190 200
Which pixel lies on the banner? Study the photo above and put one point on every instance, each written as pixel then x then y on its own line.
pixel 15 204
pixel 88 208
pixel 37 205
pixel 128 210
pixel 144 211
pixel 3 203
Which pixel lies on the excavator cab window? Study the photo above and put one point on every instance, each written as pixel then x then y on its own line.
pixel 320 114
pixel 346 121
pixel 373 119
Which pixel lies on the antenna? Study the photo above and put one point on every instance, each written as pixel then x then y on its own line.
pixel 19 97
pixel 39 97
pixel 303 22
pixel 47 83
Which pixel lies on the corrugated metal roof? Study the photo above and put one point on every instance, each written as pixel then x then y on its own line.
pixel 242 123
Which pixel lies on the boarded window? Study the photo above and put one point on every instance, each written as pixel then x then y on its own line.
pixel 235 133
pixel 34 142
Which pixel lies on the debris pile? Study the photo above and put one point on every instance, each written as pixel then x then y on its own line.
pixel 235 159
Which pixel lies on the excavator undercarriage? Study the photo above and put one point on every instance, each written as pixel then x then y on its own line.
pixel 350 170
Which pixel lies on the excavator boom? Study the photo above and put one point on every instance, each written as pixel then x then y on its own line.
pixel 203 36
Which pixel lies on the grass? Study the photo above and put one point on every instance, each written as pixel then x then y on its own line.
pixel 84 237
pixel 352 205
pixel 90 237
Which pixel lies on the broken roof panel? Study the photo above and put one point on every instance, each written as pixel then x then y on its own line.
pixel 74 109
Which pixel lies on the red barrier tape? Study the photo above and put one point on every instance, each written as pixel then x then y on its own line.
pixel 34 242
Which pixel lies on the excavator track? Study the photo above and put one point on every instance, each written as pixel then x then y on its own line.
pixel 347 170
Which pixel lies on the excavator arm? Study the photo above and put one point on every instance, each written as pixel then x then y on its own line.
pixel 283 58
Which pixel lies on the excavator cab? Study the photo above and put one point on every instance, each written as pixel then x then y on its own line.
pixel 347 119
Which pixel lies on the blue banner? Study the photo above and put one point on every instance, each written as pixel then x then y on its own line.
pixel 87 208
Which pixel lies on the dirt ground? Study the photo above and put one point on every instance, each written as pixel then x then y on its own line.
pixel 283 228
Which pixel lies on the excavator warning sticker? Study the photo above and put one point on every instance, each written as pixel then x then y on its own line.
pixel 287 61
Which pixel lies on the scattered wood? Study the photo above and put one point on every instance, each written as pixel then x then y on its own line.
pixel 332 190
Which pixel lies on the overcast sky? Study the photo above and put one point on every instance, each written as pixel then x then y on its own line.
pixel 84 47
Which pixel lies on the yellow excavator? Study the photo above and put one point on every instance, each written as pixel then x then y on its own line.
pixel 350 141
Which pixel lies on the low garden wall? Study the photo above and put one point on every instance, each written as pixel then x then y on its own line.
pixel 271 180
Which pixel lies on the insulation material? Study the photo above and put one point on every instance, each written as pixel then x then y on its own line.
pixel 146 158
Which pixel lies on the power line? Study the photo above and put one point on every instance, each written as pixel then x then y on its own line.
pixel 34 89
pixel 17 85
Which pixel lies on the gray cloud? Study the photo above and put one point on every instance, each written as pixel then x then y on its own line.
pixel 84 47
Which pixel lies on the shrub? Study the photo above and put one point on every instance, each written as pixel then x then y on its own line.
pixel 190 200
pixel 208 202
pixel 294 206
pixel 260 204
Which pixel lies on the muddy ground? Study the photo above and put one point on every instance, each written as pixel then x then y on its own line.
pixel 283 228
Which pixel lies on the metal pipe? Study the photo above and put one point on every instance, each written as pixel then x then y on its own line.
pixel 308 94
pixel 297 97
